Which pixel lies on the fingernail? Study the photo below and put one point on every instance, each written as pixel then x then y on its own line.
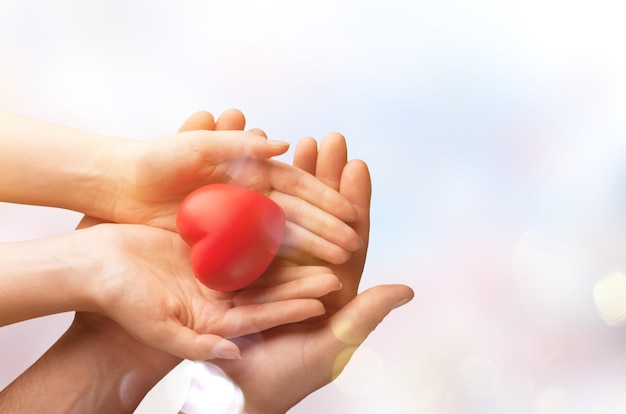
pixel 276 143
pixel 226 350
pixel 401 302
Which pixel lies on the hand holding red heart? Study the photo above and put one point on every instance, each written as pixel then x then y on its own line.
pixel 234 234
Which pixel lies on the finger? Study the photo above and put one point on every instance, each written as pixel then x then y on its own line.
pixel 258 131
pixel 199 120
pixel 244 320
pixel 299 239
pixel 299 257
pixel 296 182
pixel 217 146
pixel 356 186
pixel 332 158
pixel 309 287
pixel 351 325
pixel 231 119
pixel 282 271
pixel 318 221
pixel 188 344
pixel 305 155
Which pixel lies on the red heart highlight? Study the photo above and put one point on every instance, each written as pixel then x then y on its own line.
pixel 234 234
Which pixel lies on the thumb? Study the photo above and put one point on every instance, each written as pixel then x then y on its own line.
pixel 186 343
pixel 351 325
pixel 355 321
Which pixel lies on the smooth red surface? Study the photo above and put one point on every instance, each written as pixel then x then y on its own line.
pixel 234 234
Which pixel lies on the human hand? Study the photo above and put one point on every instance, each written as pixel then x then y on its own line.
pixel 283 365
pixel 145 283
pixel 307 282
pixel 116 369
pixel 157 174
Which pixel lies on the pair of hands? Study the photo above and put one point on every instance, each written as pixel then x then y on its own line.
pixel 284 362
pixel 137 271
pixel 155 296
pixel 159 173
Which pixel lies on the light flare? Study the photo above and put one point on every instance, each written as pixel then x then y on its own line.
pixel 212 392
pixel 609 295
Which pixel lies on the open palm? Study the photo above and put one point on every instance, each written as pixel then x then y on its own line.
pixel 285 364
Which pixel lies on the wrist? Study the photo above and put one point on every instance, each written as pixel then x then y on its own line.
pixel 109 372
pixel 125 369
pixel 50 165
pixel 43 277
pixel 116 162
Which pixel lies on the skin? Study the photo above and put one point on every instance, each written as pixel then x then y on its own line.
pixel 112 269
pixel 125 181
pixel 279 367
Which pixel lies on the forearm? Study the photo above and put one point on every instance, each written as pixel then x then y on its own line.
pixel 88 370
pixel 42 277
pixel 49 165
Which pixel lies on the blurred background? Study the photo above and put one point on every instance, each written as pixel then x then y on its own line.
pixel 495 133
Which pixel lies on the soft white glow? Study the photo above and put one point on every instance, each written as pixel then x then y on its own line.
pixel 609 295
pixel 212 392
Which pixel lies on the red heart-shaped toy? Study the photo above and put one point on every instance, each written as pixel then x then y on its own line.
pixel 234 234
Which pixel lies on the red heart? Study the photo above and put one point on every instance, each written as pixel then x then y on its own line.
pixel 234 234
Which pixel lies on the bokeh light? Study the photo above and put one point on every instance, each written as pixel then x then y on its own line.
pixel 609 295
pixel 495 134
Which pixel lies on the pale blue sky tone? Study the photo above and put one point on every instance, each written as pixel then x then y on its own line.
pixel 495 133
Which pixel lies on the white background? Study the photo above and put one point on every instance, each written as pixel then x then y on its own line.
pixel 495 134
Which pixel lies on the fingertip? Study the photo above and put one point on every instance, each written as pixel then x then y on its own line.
pixel 201 120
pixel 319 309
pixel 277 143
pixel 305 155
pixel 310 308
pixel 309 143
pixel 275 147
pixel 335 135
pixel 351 214
pixel 335 142
pixel 340 257
pixel 225 349
pixel 408 296
pixel 231 119
pixel 233 113
pixel 328 283
pixel 258 131
pixel 202 114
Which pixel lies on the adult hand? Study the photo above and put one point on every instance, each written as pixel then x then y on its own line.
pixel 283 365
pixel 141 277
pixel 161 172
pixel 143 182
pixel 280 366
pixel 164 289
pixel 144 282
